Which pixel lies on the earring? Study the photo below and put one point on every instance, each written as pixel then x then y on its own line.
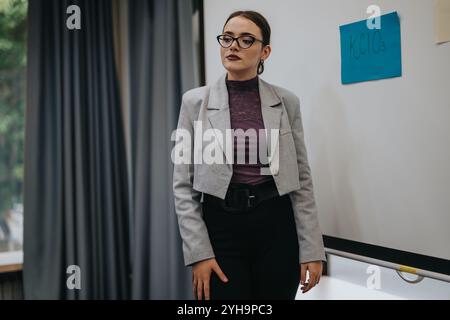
pixel 261 67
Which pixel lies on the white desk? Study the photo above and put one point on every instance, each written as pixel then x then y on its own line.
pixel 335 289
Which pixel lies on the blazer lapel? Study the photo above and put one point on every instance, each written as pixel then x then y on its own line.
pixel 220 119
pixel 270 114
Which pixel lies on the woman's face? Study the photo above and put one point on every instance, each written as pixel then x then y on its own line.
pixel 246 67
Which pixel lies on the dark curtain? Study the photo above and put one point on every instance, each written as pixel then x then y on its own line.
pixel 163 65
pixel 75 190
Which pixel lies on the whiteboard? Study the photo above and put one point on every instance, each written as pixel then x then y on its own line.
pixel 379 151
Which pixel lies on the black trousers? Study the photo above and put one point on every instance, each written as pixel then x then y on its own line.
pixel 257 250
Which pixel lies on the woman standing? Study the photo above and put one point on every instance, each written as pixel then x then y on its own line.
pixel 249 228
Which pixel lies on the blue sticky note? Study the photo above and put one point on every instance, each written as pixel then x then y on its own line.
pixel 371 54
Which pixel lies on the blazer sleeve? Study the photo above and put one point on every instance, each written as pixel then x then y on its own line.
pixel 305 210
pixel 193 231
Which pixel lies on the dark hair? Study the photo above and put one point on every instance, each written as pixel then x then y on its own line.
pixel 261 22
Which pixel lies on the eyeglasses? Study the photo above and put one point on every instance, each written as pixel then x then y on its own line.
pixel 244 42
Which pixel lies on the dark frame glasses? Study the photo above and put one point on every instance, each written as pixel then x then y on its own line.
pixel 244 41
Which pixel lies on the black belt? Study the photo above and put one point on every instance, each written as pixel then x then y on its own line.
pixel 242 197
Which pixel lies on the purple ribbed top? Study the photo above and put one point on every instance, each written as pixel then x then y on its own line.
pixel 245 113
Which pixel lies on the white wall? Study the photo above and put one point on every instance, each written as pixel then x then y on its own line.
pixel 379 150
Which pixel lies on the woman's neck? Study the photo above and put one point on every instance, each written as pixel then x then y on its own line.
pixel 240 77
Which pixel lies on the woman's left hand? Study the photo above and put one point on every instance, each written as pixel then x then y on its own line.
pixel 315 271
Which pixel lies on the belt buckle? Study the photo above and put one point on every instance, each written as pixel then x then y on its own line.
pixel 250 199
pixel 241 199
pixel 251 203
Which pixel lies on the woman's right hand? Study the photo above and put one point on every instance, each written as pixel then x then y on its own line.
pixel 201 275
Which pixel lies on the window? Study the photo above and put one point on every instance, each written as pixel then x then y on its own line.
pixel 13 26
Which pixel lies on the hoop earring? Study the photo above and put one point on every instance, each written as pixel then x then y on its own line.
pixel 261 67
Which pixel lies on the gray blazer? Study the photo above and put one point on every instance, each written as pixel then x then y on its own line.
pixel 280 110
